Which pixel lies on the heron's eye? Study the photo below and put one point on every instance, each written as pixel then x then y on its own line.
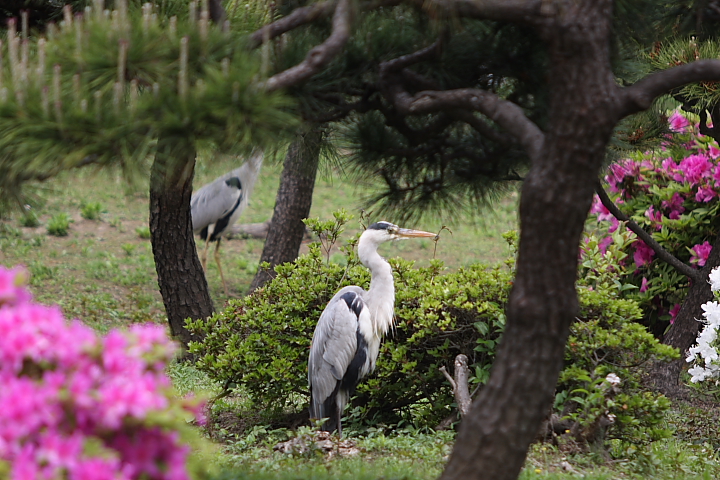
pixel 392 230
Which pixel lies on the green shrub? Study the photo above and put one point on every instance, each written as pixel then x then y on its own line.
pixel 91 210
pixel 30 219
pixel 260 343
pixel 600 389
pixel 58 225
pixel 143 232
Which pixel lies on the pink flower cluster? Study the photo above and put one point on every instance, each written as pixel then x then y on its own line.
pixel 77 406
pixel 697 177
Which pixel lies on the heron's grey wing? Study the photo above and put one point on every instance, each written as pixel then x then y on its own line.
pixel 211 202
pixel 334 344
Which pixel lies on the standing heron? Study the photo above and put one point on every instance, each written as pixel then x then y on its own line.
pixel 347 338
pixel 217 205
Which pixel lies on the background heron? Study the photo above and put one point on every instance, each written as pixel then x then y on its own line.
pixel 347 338
pixel 217 205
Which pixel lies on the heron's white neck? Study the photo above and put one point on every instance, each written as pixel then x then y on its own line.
pixel 381 296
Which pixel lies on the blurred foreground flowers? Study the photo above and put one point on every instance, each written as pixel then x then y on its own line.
pixel 75 405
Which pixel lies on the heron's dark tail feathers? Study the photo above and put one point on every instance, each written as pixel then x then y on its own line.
pixel 326 409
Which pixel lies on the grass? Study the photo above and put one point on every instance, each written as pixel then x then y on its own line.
pixel 102 271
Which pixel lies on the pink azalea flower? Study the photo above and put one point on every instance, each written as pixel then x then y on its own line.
pixel 670 168
pixel 674 312
pixel 61 386
pixel 643 254
pixel 655 217
pixel 694 168
pixel 678 123
pixel 11 282
pixel 674 206
pixel 618 172
pixel 604 244
pixel 644 285
pixel 597 208
pixel 714 152
pixel 705 194
pixel 614 224
pixel 701 252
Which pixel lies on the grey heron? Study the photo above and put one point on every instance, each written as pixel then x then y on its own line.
pixel 217 205
pixel 347 338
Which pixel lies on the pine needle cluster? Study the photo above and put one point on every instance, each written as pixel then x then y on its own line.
pixel 106 84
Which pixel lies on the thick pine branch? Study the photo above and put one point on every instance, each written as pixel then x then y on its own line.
pixel 506 114
pixel 662 254
pixel 298 17
pixel 320 55
pixel 640 96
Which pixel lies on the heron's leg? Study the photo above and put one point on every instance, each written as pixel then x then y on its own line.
pixel 339 417
pixel 217 260
pixel 203 259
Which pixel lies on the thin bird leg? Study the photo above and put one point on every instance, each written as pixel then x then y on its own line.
pixel 217 260
pixel 339 416
pixel 203 259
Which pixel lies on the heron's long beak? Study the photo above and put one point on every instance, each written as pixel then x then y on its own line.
pixel 407 233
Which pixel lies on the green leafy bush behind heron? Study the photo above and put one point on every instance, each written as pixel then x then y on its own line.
pixel 261 342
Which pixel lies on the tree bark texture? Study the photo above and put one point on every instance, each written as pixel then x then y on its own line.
pixel 684 331
pixel 292 205
pixel 556 198
pixel 180 275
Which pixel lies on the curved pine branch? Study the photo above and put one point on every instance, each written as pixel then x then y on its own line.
pixel 318 56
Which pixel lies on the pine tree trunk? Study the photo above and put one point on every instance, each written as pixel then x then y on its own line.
pixel 493 439
pixel 180 275
pixel 292 205
pixel 684 331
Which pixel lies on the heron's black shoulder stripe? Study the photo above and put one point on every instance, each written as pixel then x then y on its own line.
pixel 234 182
pixel 354 302
pixel 223 221
pixel 380 226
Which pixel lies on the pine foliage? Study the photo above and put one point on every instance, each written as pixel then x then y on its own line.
pixel 103 86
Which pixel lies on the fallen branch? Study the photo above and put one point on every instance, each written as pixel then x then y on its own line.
pixel 460 384
pixel 253 230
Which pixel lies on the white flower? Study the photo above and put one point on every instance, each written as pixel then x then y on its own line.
pixel 698 374
pixel 612 379
pixel 715 279
pixel 712 313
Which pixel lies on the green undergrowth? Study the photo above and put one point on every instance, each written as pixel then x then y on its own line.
pixel 257 349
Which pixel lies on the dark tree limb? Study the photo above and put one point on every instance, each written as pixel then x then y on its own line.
pixel 305 15
pixel 459 384
pixel 300 16
pixel 662 254
pixel 506 114
pixel 481 126
pixel 404 61
pixel 320 55
pixel 217 12
pixel 640 96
